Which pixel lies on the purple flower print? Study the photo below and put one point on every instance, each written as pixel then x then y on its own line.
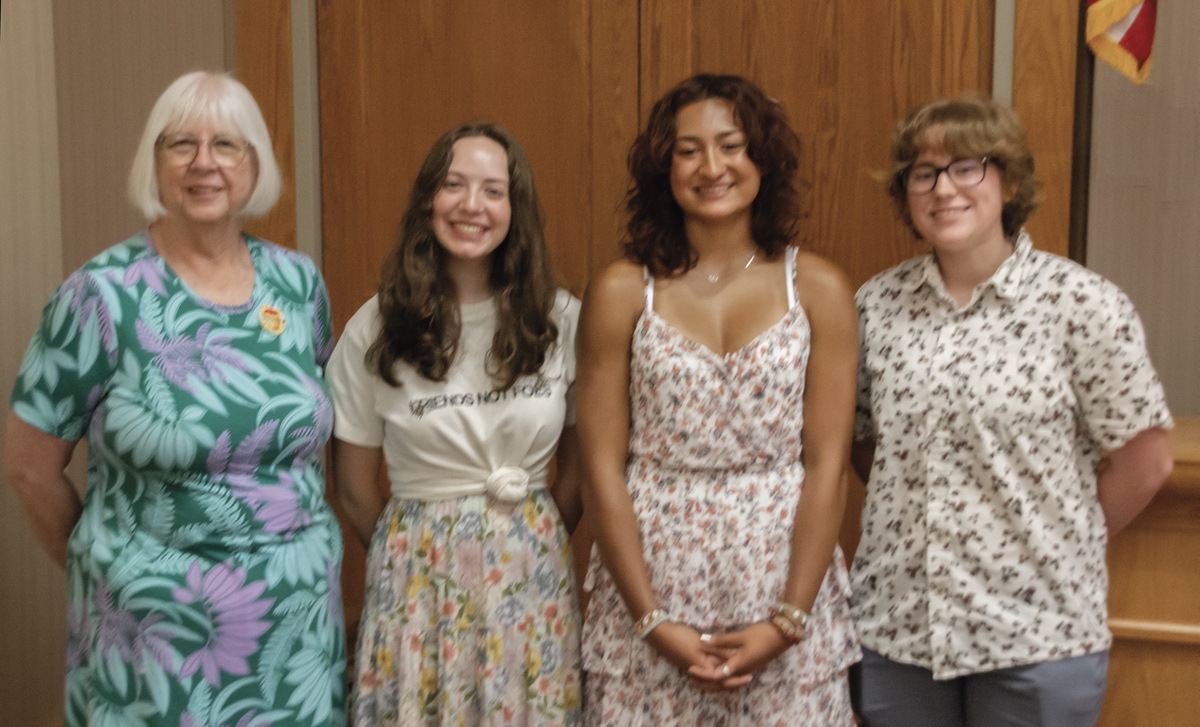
pixel 205 357
pixel 276 506
pixel 154 641
pixel 87 302
pixel 77 631
pixel 114 628
pixel 234 610
pixel 145 269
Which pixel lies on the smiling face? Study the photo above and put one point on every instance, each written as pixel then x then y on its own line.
pixel 957 220
pixel 203 191
pixel 713 178
pixel 471 210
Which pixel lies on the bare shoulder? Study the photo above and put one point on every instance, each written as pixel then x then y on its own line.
pixel 617 292
pixel 820 280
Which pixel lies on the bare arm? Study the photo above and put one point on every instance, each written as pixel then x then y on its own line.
pixel 1134 475
pixel 34 463
pixel 828 418
pixel 356 484
pixel 610 311
pixel 565 488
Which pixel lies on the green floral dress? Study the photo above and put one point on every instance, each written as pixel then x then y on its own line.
pixel 203 574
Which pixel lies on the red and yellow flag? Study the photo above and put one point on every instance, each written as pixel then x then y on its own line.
pixel 1121 33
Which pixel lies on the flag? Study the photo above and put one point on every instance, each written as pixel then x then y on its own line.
pixel 1121 33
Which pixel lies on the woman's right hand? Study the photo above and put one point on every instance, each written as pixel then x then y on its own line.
pixel 681 646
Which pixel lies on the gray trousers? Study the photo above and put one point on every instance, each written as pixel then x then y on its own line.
pixel 1063 693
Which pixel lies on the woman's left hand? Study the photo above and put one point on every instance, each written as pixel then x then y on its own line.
pixel 742 654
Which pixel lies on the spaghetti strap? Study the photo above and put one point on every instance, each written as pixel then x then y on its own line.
pixel 649 294
pixel 790 268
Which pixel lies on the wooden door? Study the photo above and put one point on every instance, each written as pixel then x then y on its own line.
pixel 395 76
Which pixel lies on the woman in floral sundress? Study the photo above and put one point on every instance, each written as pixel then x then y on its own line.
pixel 716 391
pixel 203 564
pixel 460 374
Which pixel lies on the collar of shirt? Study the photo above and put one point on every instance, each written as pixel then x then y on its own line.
pixel 1006 281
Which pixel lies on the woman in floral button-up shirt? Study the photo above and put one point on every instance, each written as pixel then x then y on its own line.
pixel 991 377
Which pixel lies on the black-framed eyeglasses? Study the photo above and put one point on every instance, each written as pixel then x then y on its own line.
pixel 181 149
pixel 922 178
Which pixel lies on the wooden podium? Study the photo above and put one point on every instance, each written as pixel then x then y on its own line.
pixel 1154 601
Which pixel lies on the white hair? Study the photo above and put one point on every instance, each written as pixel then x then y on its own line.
pixel 204 96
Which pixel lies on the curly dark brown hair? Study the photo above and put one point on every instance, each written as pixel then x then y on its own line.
pixel 655 233
pixel 417 297
pixel 968 126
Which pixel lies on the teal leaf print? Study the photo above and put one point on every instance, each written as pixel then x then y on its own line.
pixel 302 560
pixel 275 655
pixel 37 409
pixel 310 672
pixel 89 346
pixel 155 678
pixel 116 671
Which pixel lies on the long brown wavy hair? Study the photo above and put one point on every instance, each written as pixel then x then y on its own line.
pixel 418 300
pixel 655 233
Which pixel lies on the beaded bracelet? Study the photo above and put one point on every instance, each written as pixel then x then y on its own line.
pixel 795 614
pixel 649 622
pixel 791 620
pixel 787 628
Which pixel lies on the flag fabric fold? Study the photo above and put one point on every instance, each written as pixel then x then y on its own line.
pixel 1121 33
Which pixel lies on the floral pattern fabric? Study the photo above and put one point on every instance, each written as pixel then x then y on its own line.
pixel 470 613
pixel 983 539
pixel 715 474
pixel 203 575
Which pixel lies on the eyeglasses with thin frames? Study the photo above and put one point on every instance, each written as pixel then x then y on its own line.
pixel 923 178
pixel 181 149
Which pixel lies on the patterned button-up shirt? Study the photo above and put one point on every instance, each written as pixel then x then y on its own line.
pixel 983 539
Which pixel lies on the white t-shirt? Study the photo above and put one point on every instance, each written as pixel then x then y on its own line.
pixel 444 439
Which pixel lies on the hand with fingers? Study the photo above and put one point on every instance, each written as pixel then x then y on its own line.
pixel 681 645
pixel 739 655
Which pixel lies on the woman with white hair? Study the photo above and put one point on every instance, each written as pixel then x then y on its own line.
pixel 203 562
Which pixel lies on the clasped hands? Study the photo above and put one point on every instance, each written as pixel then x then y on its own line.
pixel 718 661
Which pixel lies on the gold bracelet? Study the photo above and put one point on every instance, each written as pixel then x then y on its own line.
pixel 652 620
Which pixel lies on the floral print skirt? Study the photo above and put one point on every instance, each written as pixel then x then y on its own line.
pixel 470 616
pixel 675 701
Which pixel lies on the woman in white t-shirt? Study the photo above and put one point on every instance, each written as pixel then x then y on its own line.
pixel 460 374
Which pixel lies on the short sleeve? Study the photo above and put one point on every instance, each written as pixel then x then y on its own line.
pixel 864 424
pixel 1118 389
pixel 70 360
pixel 568 323
pixel 352 384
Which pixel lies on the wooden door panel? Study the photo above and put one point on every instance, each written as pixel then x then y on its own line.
pixel 395 76
pixel 844 72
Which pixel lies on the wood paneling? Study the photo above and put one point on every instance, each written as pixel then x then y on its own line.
pixel 264 64
pixel 1044 98
pixel 394 77
pixel 844 74
pixel 1154 600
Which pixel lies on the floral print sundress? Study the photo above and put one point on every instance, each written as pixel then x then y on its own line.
pixel 715 475
pixel 203 576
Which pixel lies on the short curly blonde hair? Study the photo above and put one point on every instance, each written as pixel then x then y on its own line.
pixel 968 126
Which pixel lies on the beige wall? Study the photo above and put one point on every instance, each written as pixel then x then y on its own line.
pixel 77 80
pixel 32 589
pixel 1144 212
